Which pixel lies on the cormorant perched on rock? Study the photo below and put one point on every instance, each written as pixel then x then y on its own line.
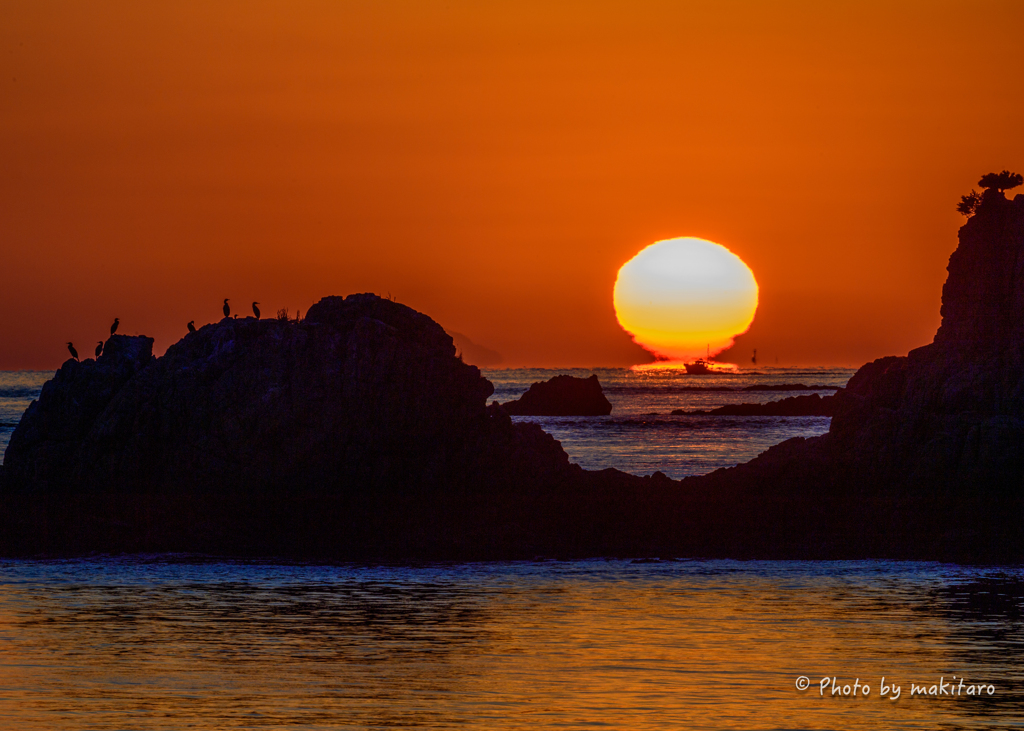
pixel 71 349
pixel 191 326
pixel 227 309
pixel 99 348
pixel 113 328
pixel 256 309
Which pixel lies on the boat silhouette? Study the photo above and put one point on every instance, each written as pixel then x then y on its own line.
pixel 701 366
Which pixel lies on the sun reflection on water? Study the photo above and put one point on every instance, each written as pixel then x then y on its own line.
pixel 165 644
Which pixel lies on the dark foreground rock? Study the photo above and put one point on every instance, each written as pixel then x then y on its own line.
pixel 946 419
pixel 810 405
pixel 363 395
pixel 562 396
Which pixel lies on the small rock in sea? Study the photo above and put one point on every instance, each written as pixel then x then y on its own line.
pixel 562 396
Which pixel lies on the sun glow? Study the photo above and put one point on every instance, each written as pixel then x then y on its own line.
pixel 680 297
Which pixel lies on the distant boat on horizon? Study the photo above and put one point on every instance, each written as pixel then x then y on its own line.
pixel 699 367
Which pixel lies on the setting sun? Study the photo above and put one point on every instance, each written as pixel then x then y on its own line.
pixel 679 297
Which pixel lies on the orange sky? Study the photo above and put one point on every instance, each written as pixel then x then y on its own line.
pixel 493 164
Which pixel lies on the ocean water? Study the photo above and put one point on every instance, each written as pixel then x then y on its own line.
pixel 172 642
pixel 17 390
pixel 640 435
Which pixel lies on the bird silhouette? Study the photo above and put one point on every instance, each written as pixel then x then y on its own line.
pixel 71 349
pixel 113 328
pixel 191 326
pixel 227 309
pixel 99 348
pixel 256 309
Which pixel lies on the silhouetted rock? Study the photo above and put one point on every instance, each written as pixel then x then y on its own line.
pixel 562 396
pixel 810 405
pixel 983 297
pixel 948 416
pixel 43 449
pixel 364 394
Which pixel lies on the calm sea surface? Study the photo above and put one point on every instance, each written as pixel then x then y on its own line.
pixel 168 643
pixel 184 642
pixel 642 436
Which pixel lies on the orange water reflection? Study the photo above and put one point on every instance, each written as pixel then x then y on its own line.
pixel 679 365
pixel 106 645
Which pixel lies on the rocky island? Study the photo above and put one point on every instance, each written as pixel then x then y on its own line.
pixel 364 394
pixel 357 433
pixel 561 396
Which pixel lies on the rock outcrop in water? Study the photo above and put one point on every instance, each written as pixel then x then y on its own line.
pixel 43 448
pixel 951 413
pixel 948 416
pixel 363 394
pixel 562 396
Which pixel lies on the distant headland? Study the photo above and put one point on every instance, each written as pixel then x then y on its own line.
pixel 359 433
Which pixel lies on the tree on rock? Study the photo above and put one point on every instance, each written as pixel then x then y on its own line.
pixel 1001 181
pixel 969 203
pixel 1005 180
